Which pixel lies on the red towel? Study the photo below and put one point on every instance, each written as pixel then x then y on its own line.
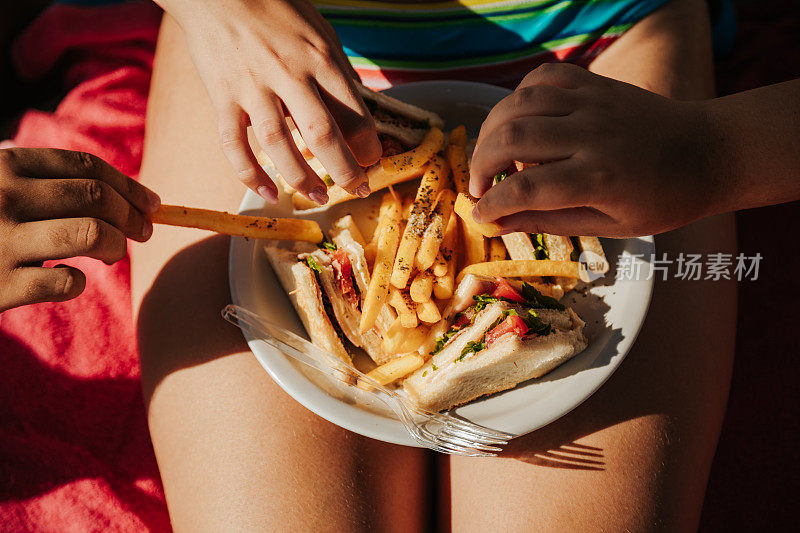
pixel 75 453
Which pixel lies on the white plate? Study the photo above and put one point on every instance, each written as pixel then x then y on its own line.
pixel 613 309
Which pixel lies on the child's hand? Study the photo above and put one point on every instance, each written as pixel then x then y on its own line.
pixel 623 161
pixel 56 204
pixel 261 59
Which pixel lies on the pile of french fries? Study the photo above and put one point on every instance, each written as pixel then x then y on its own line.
pixel 423 245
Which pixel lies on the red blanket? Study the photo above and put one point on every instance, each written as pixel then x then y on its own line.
pixel 75 454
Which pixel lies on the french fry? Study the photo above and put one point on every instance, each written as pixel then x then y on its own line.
pixel 457 159
pixel 416 157
pixel 408 204
pixel 475 245
pixel 497 250
pixel 405 307
pixel 398 339
pixel 439 267
pixel 370 251
pixel 560 249
pixel 518 269
pixel 594 255
pixel 422 286
pixel 279 229
pixel 434 233
pixel 444 285
pixel 378 179
pixel 458 137
pixel 464 206
pixel 388 232
pixel 428 312
pixel 429 186
pixel 393 370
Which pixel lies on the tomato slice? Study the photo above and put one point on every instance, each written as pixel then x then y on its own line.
pixel 462 320
pixel 344 269
pixel 512 324
pixel 505 290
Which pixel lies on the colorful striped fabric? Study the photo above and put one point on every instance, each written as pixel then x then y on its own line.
pixel 494 41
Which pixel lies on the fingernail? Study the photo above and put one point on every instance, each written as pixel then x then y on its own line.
pixel 267 194
pixel 153 201
pixel 363 190
pixel 147 229
pixel 319 195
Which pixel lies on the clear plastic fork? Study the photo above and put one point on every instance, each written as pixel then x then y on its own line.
pixel 441 432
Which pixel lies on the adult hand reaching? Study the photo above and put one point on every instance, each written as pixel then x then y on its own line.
pixel 261 60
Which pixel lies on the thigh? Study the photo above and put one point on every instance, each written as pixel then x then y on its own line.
pixel 234 451
pixel 636 455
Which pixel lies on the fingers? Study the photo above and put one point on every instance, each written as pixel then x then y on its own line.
pixel 563 75
pixel 573 221
pixel 325 140
pixel 537 100
pixel 31 285
pixel 544 187
pixel 354 119
pixel 69 237
pixel 233 134
pixel 274 137
pixel 73 198
pixel 54 163
pixel 529 139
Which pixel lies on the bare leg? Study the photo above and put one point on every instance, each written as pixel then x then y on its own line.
pixel 636 455
pixel 235 452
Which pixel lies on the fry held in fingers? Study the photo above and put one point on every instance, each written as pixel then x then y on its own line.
pixel 417 157
pixel 464 207
pixel 378 179
pixel 279 229
pixel 388 232
pixel 475 244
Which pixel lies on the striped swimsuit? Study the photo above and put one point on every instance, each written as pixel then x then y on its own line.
pixel 493 41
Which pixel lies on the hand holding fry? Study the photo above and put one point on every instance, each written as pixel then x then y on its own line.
pixel 57 204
